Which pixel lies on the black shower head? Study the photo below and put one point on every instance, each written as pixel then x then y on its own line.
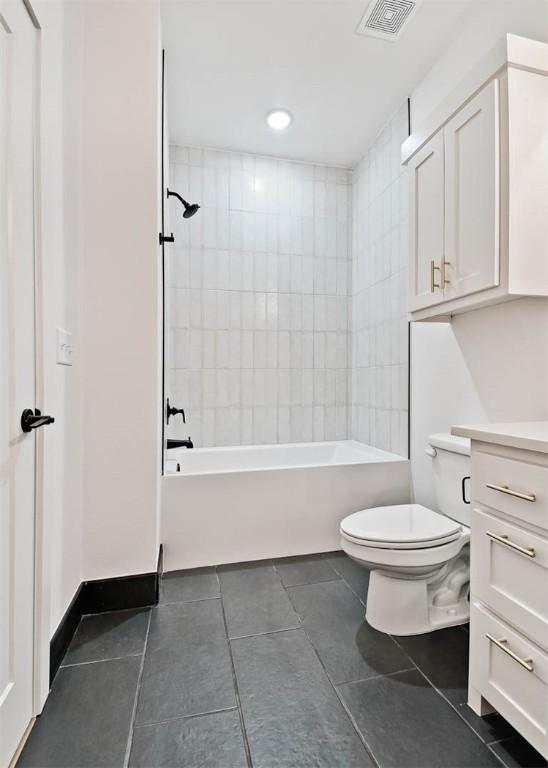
pixel 190 208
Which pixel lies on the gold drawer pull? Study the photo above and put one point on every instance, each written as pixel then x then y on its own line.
pixel 503 539
pixel 433 283
pixel 510 492
pixel 502 644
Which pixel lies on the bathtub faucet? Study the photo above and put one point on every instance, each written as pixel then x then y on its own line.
pixel 174 443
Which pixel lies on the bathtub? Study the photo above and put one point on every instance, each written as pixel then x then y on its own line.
pixel 229 505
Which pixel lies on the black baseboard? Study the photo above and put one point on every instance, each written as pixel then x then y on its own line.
pixel 64 633
pixel 123 592
pixel 119 593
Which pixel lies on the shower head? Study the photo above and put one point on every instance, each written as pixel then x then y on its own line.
pixel 190 208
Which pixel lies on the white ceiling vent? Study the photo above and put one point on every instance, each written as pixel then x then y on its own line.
pixel 386 18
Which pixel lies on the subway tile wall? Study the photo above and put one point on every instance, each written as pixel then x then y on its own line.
pixel 258 299
pixel 379 401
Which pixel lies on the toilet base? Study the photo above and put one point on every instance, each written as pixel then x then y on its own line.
pixel 400 606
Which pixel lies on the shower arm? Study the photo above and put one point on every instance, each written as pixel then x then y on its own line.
pixel 178 196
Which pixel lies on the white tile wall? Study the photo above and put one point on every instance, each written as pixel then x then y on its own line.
pixel 379 400
pixel 258 304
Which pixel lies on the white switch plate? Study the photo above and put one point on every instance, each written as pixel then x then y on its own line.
pixel 64 347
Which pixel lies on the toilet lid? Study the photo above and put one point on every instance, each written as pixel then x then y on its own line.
pixel 405 526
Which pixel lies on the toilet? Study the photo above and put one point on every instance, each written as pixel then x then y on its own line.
pixel 419 558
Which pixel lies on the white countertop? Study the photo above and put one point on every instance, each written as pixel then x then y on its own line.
pixel 528 435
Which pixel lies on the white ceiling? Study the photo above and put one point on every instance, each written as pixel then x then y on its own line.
pixel 229 62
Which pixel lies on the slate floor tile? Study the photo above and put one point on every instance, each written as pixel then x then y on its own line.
pixel 353 573
pixel 208 741
pixel 87 717
pixel 308 569
pixel 183 586
pixel 255 600
pixel 108 636
pixel 187 667
pixel 518 753
pixel 407 723
pixel 443 657
pixel 292 715
pixel 334 620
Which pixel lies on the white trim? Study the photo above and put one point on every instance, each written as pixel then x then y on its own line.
pixel 41 597
pixel 17 754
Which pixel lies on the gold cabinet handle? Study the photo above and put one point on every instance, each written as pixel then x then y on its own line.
pixel 444 264
pixel 503 539
pixel 502 644
pixel 433 283
pixel 510 492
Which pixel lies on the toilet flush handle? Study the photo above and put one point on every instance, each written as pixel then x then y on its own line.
pixel 430 451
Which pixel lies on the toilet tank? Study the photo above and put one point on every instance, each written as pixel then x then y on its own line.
pixel 450 466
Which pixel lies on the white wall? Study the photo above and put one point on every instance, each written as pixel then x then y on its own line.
pixel 491 364
pixel 120 295
pixel 61 394
pixel 258 297
pixel 379 292
pixel 100 262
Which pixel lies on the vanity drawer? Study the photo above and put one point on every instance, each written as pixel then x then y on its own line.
pixel 513 487
pixel 511 673
pixel 509 572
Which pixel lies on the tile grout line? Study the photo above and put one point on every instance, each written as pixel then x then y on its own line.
pixel 353 722
pixel 499 758
pixel 336 578
pixel 268 632
pixel 347 583
pixel 375 677
pixel 247 749
pixel 195 715
pixel 186 602
pixel 444 697
pixel 129 743
pixel 99 661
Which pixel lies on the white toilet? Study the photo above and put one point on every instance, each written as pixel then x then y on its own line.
pixel 419 559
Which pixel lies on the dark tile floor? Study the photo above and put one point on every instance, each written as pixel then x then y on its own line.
pixel 265 664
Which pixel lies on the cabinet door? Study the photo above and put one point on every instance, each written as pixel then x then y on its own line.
pixel 472 196
pixel 426 224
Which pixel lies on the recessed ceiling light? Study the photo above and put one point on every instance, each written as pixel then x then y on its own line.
pixel 278 119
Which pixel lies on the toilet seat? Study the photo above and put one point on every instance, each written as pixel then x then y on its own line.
pixel 403 526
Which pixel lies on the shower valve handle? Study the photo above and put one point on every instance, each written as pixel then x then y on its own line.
pixel 171 411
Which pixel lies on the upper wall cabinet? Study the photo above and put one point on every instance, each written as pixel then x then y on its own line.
pixel 478 188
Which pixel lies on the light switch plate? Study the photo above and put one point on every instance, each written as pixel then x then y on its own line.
pixel 64 347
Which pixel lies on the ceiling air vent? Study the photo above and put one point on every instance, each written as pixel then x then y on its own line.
pixel 386 18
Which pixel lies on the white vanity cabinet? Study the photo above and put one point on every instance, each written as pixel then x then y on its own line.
pixel 509 576
pixel 478 190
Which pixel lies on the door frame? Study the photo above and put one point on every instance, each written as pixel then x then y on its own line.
pixel 41 602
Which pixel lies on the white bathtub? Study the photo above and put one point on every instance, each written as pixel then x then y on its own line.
pixel 229 505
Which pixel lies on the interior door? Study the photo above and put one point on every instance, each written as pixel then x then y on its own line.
pixel 18 48
pixel 426 171
pixel 472 195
